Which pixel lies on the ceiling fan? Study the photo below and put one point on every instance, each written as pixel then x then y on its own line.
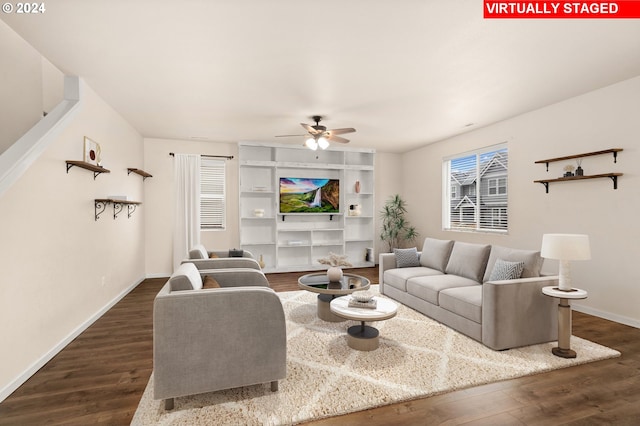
pixel 319 136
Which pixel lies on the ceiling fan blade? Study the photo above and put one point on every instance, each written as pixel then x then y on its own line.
pixel 337 139
pixel 341 131
pixel 288 136
pixel 310 129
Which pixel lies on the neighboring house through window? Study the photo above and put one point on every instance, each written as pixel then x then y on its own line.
pixel 212 193
pixel 475 197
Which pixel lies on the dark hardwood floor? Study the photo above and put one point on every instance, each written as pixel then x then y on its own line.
pixel 100 376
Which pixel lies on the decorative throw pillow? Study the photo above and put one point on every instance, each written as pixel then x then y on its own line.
pixel 504 270
pixel 209 282
pixel 531 258
pixel 213 256
pixel 406 257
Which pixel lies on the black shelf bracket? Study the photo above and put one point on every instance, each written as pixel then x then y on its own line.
pixel 614 179
pixel 547 163
pixel 117 208
pixel 101 206
pixel 130 209
pixel 546 186
pixel 615 156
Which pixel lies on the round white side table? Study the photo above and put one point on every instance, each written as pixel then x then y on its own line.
pixel 564 318
pixel 363 337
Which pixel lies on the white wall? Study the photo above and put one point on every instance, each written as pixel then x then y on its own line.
pixel 52 86
pixel 60 267
pixel 606 118
pixel 159 200
pixel 388 181
pixel 20 86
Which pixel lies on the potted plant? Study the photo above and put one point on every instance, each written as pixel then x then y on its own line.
pixel 395 228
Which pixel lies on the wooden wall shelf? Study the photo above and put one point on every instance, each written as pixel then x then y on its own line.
pixel 612 176
pixel 118 206
pixel 613 151
pixel 139 172
pixel 88 166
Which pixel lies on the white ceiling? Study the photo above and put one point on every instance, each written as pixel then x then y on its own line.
pixel 404 73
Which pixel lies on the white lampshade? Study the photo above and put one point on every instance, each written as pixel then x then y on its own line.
pixel 311 144
pixel 323 143
pixel 566 246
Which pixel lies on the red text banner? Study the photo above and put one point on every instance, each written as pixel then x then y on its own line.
pixel 625 9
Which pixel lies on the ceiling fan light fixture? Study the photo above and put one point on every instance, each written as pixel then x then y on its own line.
pixel 323 143
pixel 311 144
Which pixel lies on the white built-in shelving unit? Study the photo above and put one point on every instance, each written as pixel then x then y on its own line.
pixel 294 242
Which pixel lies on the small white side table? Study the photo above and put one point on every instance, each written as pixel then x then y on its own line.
pixel 564 318
pixel 363 337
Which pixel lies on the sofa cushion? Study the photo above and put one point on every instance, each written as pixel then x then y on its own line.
pixel 504 270
pixel 186 277
pixel 398 277
pixel 428 287
pixel 210 282
pixel 463 301
pixel 435 253
pixel 531 258
pixel 406 258
pixel 198 252
pixel 468 260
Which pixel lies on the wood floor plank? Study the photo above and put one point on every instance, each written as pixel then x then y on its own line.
pixel 98 379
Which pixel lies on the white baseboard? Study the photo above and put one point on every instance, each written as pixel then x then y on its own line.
pixel 606 315
pixel 33 368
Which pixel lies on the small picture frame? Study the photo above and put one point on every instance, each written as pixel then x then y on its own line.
pixel 92 152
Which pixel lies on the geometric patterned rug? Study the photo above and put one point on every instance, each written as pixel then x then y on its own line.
pixel 417 357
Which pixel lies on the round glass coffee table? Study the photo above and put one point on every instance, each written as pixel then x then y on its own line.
pixel 364 337
pixel 329 290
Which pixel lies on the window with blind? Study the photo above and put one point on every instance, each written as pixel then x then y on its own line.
pixel 212 194
pixel 475 194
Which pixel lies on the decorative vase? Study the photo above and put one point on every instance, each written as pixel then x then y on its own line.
pixel 334 274
pixel 579 171
pixel 261 262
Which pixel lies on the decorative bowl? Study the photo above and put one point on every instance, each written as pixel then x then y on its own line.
pixel 362 296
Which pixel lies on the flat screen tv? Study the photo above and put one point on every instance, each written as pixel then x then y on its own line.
pixel 309 195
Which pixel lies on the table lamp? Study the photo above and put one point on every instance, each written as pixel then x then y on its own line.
pixel 565 248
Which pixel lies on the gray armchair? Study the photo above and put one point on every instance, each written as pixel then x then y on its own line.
pixel 200 257
pixel 206 340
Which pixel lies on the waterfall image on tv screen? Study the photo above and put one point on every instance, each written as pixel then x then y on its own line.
pixel 309 195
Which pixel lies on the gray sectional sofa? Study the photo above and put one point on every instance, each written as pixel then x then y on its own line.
pixel 462 285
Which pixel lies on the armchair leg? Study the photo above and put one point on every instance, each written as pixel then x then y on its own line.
pixel 168 404
pixel 274 386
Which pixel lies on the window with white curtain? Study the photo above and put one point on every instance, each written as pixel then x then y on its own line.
pixel 212 194
pixel 475 196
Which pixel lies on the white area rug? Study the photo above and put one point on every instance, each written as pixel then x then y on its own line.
pixel 417 357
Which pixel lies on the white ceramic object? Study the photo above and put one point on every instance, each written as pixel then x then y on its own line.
pixel 334 273
pixel 362 296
